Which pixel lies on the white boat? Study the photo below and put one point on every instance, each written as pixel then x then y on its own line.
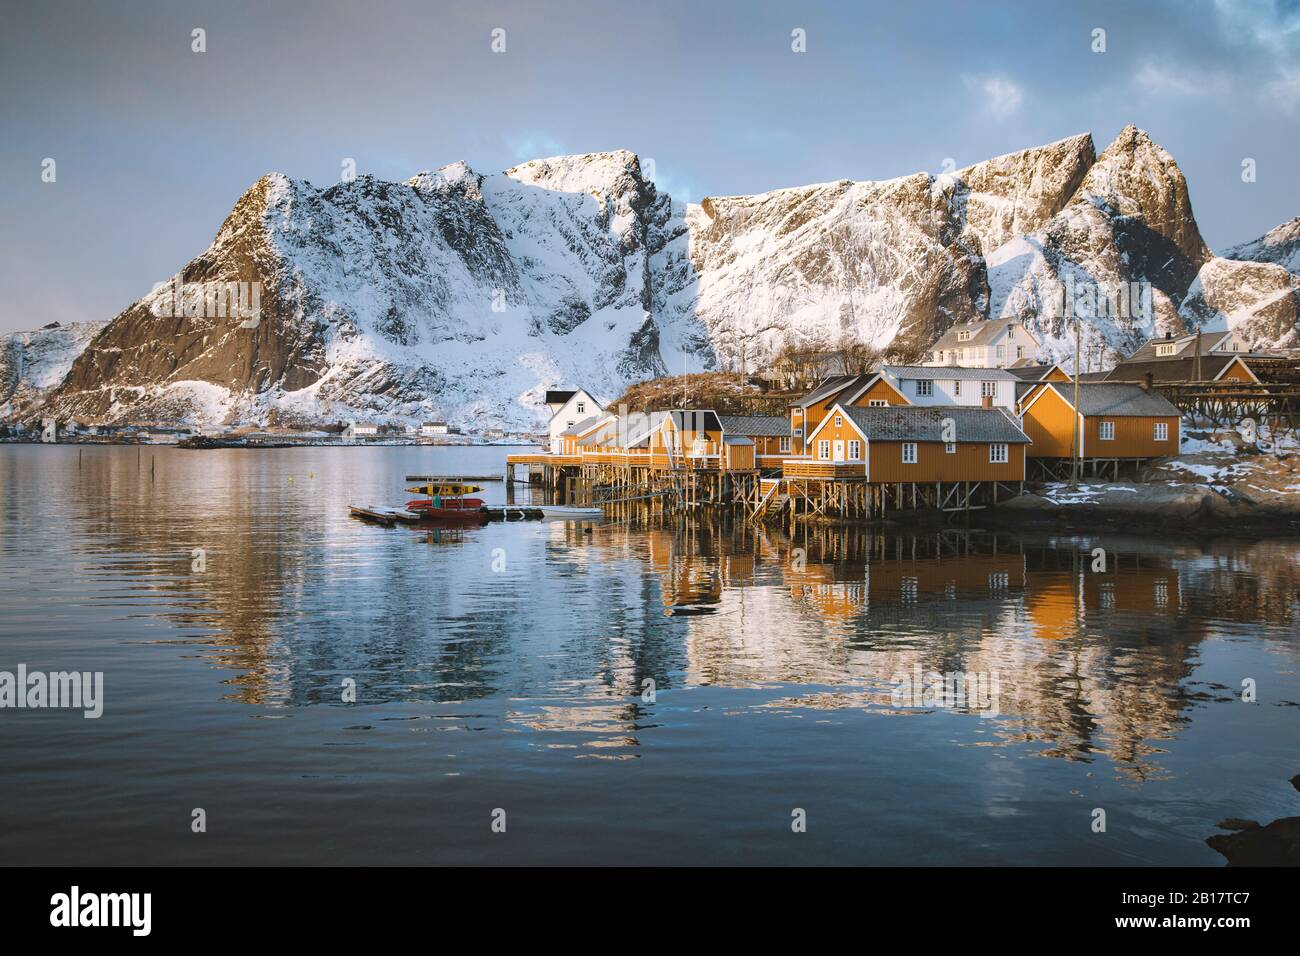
pixel 567 511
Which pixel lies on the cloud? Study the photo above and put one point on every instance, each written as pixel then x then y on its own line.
pixel 1000 95
pixel 1167 80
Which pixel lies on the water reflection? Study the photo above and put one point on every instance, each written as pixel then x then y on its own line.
pixel 581 627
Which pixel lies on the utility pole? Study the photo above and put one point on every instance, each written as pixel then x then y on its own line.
pixel 1076 464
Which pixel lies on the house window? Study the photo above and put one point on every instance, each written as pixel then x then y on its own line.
pixel 855 451
pixel 909 453
pixel 877 403
pixel 963 336
pixel 924 387
pixel 1165 349
pixel 798 432
pixel 1162 431
pixel 988 389
pixel 1002 351
pixel 950 448
pixel 1020 351
pixel 1107 431
pixel 998 453
pixel 582 408
pixel 839 422
pixel 956 387
pixel 785 445
pixel 824 450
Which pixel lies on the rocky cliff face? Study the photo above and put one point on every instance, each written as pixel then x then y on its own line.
pixel 1254 288
pixel 464 296
pixel 32 364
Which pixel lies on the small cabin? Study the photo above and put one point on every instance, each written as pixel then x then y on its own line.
pixel 1113 419
pixel 920 444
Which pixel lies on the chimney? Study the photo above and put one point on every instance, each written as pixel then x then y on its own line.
pixel 1147 381
pixel 986 401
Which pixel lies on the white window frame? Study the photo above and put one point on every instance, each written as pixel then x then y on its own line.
pixel 783 445
pixel 1002 351
pixel 1161 431
pixel 988 389
pixel 877 403
pixel 950 448
pixel 1166 349
pixel 956 387
pixel 909 446
pixel 924 388
pixel 582 408
pixel 823 449
pixel 999 453
pixel 839 421
pixel 964 336
pixel 1106 431
pixel 855 450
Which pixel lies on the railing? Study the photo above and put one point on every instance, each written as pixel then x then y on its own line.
pixel 814 468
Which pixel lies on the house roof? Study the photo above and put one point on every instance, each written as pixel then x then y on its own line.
pixel 831 387
pixel 556 396
pixel 1183 344
pixel 1029 373
pixel 736 440
pixel 949 372
pixel 700 419
pixel 1172 370
pixel 984 332
pixel 1116 399
pixel 926 423
pixel 755 425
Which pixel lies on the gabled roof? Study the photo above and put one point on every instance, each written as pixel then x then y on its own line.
pixel 1175 370
pixel 984 332
pixel 949 372
pixel 736 440
pixel 556 396
pixel 1115 399
pixel 1183 345
pixel 832 387
pixel 755 425
pixel 927 422
pixel 1030 373
pixel 696 419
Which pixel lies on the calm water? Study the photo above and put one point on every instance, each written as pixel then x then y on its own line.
pixel 504 667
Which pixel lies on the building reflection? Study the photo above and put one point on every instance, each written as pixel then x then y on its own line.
pixel 1092 664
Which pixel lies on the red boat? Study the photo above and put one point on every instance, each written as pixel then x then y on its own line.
pixel 447 504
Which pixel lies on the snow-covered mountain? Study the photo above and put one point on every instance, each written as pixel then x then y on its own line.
pixel 33 363
pixel 465 296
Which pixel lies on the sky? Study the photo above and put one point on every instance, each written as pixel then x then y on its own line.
pixel 153 142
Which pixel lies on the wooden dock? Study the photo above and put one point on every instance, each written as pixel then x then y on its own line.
pixel 453 479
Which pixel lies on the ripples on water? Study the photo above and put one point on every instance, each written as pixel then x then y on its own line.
pixel 511 666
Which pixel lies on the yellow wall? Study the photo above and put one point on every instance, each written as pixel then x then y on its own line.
pixel 1134 437
pixel 970 462
pixel 1049 423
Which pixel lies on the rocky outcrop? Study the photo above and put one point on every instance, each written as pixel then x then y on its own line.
pixel 34 363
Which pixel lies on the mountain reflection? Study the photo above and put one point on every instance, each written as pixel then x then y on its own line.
pixel 588 628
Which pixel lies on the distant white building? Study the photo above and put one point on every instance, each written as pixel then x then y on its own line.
pixel 1184 346
pixel 429 429
pixel 567 409
pixel 996 343
pixel 365 428
pixel 925 385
